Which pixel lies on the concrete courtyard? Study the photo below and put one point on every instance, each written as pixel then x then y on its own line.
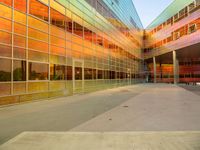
pixel 142 107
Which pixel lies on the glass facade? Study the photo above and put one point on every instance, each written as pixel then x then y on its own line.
pixel 51 48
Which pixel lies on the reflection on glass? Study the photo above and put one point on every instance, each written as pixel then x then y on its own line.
pixel 38 9
pixel 19 70
pixel 57 72
pixel 38 71
pixel 77 29
pixel 57 19
pixel 5 69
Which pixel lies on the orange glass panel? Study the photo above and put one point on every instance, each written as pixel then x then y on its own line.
pixel 39 10
pixel 7 2
pixel 6 12
pixel 38 24
pixel 37 34
pixel 19 41
pixel 5 24
pixel 5 37
pixel 19 29
pixel 57 31
pixel 5 51
pixel 57 50
pixel 37 45
pixel 57 41
pixel 20 5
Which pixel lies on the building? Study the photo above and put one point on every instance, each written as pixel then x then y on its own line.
pixel 172 44
pixel 51 48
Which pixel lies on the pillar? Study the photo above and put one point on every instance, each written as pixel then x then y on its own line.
pixel 154 69
pixel 175 68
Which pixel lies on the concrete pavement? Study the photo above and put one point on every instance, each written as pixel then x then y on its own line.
pixel 160 108
pixel 144 107
pixel 61 114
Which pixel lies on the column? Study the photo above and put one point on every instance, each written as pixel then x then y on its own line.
pixel 154 69
pixel 175 68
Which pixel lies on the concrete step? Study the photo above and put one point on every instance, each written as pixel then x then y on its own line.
pixel 104 141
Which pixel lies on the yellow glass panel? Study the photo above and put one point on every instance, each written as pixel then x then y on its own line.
pixel 37 86
pixel 19 17
pixel 5 11
pixel 19 88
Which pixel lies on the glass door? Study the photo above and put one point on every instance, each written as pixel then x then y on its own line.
pixel 78 76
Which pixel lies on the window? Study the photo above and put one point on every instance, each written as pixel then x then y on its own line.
pixel 19 70
pixel 38 71
pixel 5 70
pixel 176 35
pixel 176 17
pixel 99 40
pixel 192 28
pixel 191 6
pixel 20 5
pixel 57 72
pixel 39 10
pixel 77 29
pixel 88 34
pixel 57 19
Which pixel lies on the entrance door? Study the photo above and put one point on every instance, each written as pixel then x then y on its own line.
pixel 78 76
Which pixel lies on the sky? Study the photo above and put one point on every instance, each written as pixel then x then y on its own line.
pixel 148 10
